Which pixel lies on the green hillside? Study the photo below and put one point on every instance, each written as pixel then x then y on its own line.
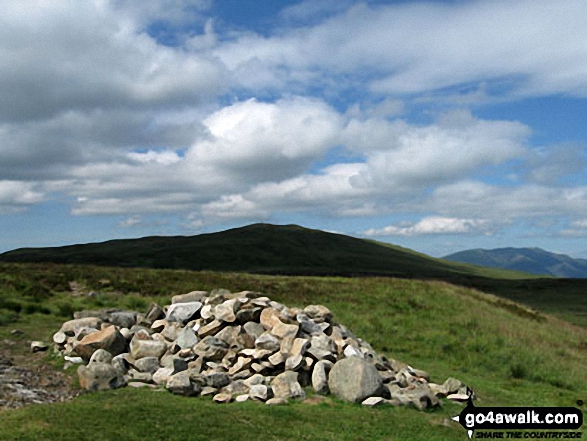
pixel 510 355
pixel 294 250
pixel 262 248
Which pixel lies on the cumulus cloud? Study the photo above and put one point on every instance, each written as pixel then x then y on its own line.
pixel 536 45
pixel 15 196
pixel 434 225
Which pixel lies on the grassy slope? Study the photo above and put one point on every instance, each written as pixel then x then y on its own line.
pixel 271 249
pixel 261 248
pixel 510 355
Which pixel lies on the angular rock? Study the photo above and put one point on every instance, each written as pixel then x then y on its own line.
pixel 269 318
pixel 147 364
pixel 194 296
pixel 294 362
pixel 268 342
pixel 318 312
pixel 222 398
pixel 101 356
pixel 39 346
pixel 276 401
pixel 247 315
pixel 286 385
pixel 254 329
pixel 123 319
pixel 99 376
pixel 353 379
pixel 373 401
pixel 259 392
pixel 142 345
pixel 72 327
pixel 108 338
pixel 351 351
pixel 182 312
pixel 161 375
pixel 187 338
pixel 180 384
pixel 211 348
pixel 320 377
pixel 230 335
pixel 226 311
pixel 322 348
pixel 210 329
pixel 284 331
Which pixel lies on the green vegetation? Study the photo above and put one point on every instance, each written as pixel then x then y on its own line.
pixel 265 249
pixel 293 250
pixel 510 354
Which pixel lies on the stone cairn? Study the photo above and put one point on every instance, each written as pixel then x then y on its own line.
pixel 237 347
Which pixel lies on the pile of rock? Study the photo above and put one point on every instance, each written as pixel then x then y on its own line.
pixel 240 346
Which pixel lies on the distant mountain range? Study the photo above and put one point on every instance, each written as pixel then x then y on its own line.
pixel 267 249
pixel 529 260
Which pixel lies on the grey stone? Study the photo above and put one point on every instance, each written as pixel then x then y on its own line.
pixel 226 311
pixel 72 327
pixel 222 398
pixel 246 315
pixel 210 329
pixel 259 392
pixel 268 341
pixel 318 312
pixel 187 338
pixel 230 335
pixel 254 329
pixel 216 380
pixel 162 375
pixel 286 385
pixel 294 362
pixel 147 364
pixel 373 401
pixel 142 345
pixel 101 356
pixel 276 401
pixel 285 331
pixel 39 346
pixel 211 348
pixel 99 376
pixel 322 347
pixel 320 377
pixel 123 319
pixel 194 296
pixel 351 351
pixel 353 379
pixel 155 312
pixel 59 338
pixel 182 312
pixel 180 384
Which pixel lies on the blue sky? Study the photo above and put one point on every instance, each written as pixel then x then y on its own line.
pixel 438 125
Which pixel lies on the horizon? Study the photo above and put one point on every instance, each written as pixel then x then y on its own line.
pixel 439 126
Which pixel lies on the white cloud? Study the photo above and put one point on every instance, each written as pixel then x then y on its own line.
pixel 537 45
pixel 132 221
pixel 434 225
pixel 16 196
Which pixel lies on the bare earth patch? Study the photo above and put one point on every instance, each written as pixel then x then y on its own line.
pixel 26 379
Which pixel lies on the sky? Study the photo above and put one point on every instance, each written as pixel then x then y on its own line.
pixel 438 125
